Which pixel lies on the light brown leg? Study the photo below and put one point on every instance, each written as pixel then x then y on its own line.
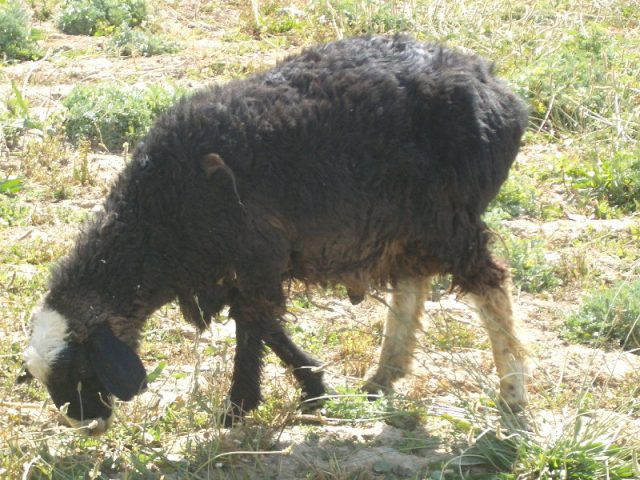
pixel 403 319
pixel 494 309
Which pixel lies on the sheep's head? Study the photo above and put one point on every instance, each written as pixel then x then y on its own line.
pixel 82 377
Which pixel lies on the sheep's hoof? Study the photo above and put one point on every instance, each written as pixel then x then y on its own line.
pixel 513 396
pixel 312 404
pixel 311 401
pixel 374 390
pixel 232 416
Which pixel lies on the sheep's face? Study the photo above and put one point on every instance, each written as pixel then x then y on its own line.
pixel 82 378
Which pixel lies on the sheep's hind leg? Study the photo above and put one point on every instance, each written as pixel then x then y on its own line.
pixel 305 368
pixel 403 320
pixel 495 311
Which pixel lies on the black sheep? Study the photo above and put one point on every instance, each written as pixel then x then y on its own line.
pixel 366 161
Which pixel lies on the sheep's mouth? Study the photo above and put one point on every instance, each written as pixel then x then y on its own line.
pixel 92 427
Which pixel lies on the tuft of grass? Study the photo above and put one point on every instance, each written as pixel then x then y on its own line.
pixel 355 351
pixel 446 333
pixel 588 447
pixel 359 17
pixel 127 41
pixel 81 168
pixel 18 41
pixel 276 18
pixel 12 212
pixel 43 9
pixel 530 269
pixel 111 114
pixel 37 252
pixel 522 195
pixel 45 161
pixel 566 85
pixel 608 316
pixel 607 183
pixel 351 404
pixel 17 119
pixel 326 20
pixel 100 17
pixel 517 197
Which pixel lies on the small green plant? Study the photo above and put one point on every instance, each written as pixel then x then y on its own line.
pixel 610 315
pixel 357 17
pixel 278 19
pixel 352 404
pixel 531 270
pixel 574 459
pixel 570 85
pixel 18 41
pixel 588 445
pixel 355 351
pixel 127 41
pixel 100 17
pixel 12 212
pixel 447 333
pixel 17 119
pixel 608 183
pixel 110 114
pixel 81 172
pixel 43 9
pixel 10 186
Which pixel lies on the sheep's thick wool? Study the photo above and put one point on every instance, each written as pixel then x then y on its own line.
pixel 362 162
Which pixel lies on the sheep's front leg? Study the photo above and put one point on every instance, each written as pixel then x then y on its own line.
pixel 245 386
pixel 403 320
pixel 304 367
pixel 495 311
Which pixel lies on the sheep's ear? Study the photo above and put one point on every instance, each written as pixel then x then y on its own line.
pixel 211 163
pixel 118 367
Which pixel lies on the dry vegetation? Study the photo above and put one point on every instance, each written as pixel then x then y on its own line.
pixel 567 218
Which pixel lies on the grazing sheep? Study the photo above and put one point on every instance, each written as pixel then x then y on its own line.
pixel 366 161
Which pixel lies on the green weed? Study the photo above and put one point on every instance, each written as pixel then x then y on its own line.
pixel 355 351
pixel 11 186
pixel 36 252
pixel 585 445
pixel 517 197
pixel 18 41
pixel 81 170
pixel 12 212
pixel 607 183
pixel 530 269
pixel 358 17
pixel 43 9
pixel 17 119
pixel 608 316
pixel 446 333
pixel 111 114
pixel 277 18
pixel 127 41
pixel 100 17
pixel 352 404
pixel 580 83
pixel 46 160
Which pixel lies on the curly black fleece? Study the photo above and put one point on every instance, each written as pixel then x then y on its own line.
pixel 356 162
